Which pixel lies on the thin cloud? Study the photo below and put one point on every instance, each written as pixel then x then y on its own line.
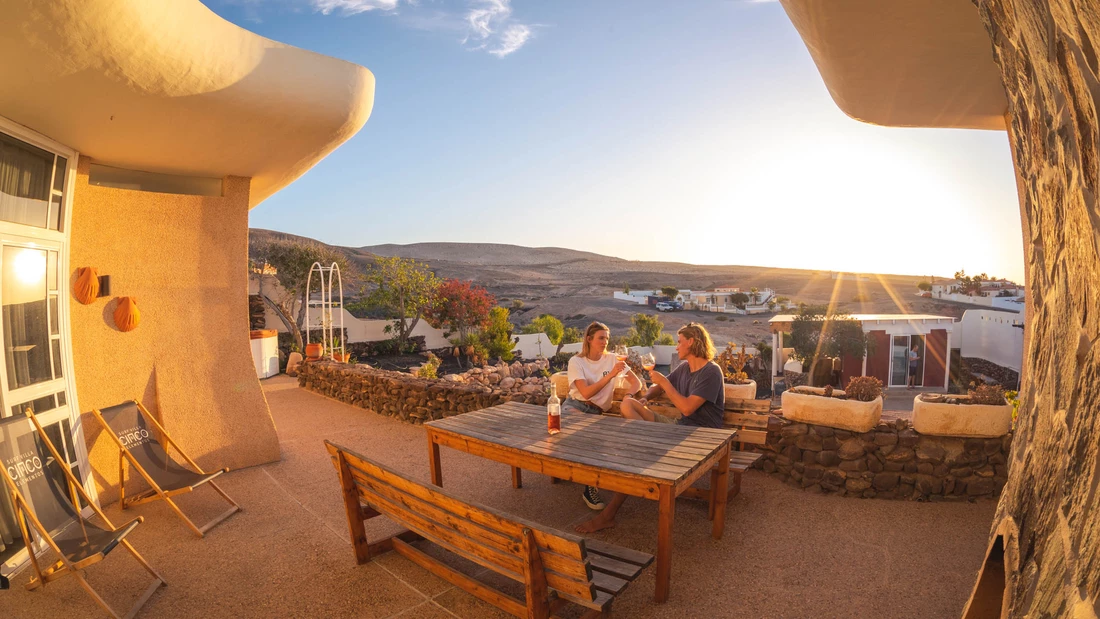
pixel 512 39
pixel 353 7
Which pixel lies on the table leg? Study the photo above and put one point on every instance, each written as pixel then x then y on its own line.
pixel 517 477
pixel 666 513
pixel 718 496
pixel 434 465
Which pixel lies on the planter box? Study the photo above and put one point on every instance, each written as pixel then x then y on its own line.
pixel 664 354
pixel 844 414
pixel 741 392
pixel 976 420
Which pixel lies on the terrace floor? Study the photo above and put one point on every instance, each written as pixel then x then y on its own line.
pixel 785 553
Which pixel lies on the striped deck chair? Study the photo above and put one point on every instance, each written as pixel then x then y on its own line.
pixel 45 495
pixel 138 437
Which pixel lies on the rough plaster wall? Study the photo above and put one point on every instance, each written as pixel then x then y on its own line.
pixel 183 259
pixel 1049 514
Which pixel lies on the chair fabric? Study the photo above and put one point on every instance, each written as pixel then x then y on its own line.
pixel 135 433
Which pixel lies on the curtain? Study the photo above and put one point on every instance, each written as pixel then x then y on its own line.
pixel 24 182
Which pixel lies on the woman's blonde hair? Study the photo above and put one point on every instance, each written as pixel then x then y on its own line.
pixel 701 344
pixel 589 333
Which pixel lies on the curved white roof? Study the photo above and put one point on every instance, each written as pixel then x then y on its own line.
pixel 168 86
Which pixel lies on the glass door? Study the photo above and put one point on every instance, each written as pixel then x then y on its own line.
pixel 33 376
pixel 899 361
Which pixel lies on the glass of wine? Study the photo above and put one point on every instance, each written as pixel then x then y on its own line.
pixel 620 353
pixel 649 362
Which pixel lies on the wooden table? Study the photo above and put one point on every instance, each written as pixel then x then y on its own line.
pixel 639 458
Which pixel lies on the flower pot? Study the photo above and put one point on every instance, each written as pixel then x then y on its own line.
pixel 975 420
pixel 314 351
pixel 746 391
pixel 832 412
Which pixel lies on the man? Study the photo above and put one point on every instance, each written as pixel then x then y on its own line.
pixel 913 366
pixel 695 388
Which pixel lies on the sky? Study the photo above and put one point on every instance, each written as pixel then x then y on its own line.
pixel 695 132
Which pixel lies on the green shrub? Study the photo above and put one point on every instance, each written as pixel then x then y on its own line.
pixel 665 339
pixel 721 318
pixel 429 369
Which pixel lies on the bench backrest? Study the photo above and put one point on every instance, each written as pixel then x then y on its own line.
pixel 479 533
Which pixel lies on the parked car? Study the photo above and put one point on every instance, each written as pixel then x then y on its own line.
pixel 665 306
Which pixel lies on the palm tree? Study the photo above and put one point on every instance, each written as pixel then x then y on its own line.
pixel 755 294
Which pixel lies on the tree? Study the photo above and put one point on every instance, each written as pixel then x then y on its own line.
pixel 670 291
pixel 626 288
pixel 739 299
pixel 665 339
pixel 496 337
pixel 459 307
pixel 924 286
pixel 547 324
pixel 970 285
pixel 647 328
pixel 288 263
pixel 815 333
pixel 755 294
pixel 406 288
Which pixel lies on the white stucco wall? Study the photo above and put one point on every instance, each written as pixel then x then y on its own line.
pixel 990 335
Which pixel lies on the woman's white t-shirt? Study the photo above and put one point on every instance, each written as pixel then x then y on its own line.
pixel 583 368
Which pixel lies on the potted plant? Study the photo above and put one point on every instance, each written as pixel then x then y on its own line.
pixel 738 384
pixel 339 357
pixel 858 408
pixel 315 350
pixel 983 412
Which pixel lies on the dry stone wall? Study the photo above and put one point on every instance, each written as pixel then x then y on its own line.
pixel 1048 519
pixel 416 400
pixel 893 461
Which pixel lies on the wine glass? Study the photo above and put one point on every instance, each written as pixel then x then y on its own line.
pixel 620 352
pixel 649 362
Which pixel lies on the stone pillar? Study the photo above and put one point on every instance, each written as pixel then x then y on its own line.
pixel 1048 520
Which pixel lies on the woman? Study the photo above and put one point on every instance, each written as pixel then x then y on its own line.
pixel 696 391
pixel 592 378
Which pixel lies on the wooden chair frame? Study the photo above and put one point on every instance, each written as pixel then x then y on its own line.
pixel 63 565
pixel 156 493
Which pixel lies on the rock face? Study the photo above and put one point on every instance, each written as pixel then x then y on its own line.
pixel 1048 519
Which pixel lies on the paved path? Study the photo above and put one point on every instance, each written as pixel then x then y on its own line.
pixel 785 553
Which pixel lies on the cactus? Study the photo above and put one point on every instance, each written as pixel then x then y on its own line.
pixel 733 364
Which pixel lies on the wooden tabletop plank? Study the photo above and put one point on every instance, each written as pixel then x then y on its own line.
pixel 577 429
pixel 608 463
pixel 596 447
pixel 600 437
pixel 534 419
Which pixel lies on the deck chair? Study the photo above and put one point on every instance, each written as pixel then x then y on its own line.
pixel 135 431
pixel 33 471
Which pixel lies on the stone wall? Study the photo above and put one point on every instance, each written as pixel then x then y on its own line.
pixel 416 400
pixel 1048 520
pixel 892 461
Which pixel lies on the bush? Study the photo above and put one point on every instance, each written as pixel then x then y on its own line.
pixel 721 318
pixel 665 339
pixel 645 331
pixel 428 370
pixel 864 388
pixel 517 304
pixel 993 395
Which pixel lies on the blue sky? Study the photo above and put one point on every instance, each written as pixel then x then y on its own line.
pixel 696 131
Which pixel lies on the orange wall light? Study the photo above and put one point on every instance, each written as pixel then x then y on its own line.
pixel 86 287
pixel 127 315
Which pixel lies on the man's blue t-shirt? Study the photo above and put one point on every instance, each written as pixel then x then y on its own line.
pixel 706 383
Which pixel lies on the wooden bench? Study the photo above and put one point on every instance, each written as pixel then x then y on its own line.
pixel 748 417
pixel 553 566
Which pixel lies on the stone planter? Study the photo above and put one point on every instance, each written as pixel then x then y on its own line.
pixel 976 420
pixel 832 412
pixel 746 391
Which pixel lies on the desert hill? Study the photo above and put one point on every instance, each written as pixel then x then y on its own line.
pixel 577 286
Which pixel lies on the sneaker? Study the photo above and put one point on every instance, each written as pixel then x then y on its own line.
pixel 592 498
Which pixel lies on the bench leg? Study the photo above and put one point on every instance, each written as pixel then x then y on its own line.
pixel 517 477
pixel 434 465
